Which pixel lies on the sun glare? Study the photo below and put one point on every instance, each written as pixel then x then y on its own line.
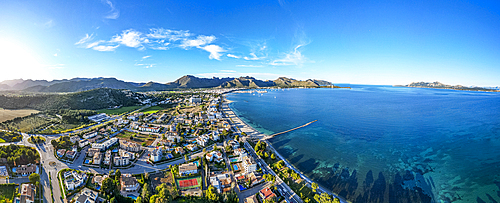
pixel 18 61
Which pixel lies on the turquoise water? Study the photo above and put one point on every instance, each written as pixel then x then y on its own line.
pixel 235 167
pixel 132 196
pixel 386 144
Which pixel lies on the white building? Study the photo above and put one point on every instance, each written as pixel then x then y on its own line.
pixel 187 169
pixel 156 155
pixel 249 164
pixel 87 196
pixel 90 135
pixel 74 179
pixel 99 117
pixel 105 145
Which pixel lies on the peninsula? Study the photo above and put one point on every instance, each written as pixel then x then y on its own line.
pixel 438 85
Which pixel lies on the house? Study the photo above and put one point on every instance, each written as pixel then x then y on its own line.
pixel 124 157
pixel 130 146
pixel 28 193
pixel 92 151
pixel 195 100
pixel 129 183
pixel 220 181
pixel 74 179
pixel 96 159
pixel 266 193
pixel 105 145
pixel 71 154
pixel 156 155
pixel 249 164
pixel 61 153
pixel 90 135
pixel 240 152
pixel 74 139
pixel 254 178
pixel 107 158
pixel 83 143
pixel 191 147
pixel 98 179
pixel 187 169
pixel 251 199
pixel 26 170
pixel 179 150
pixel 87 196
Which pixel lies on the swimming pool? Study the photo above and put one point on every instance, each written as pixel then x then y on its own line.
pixel 234 160
pixel 132 196
pixel 235 167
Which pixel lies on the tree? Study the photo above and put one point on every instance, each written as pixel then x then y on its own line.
pixel 34 177
pixel 231 197
pixel 314 186
pixel 236 137
pixel 138 200
pixel 273 157
pixel 108 186
pixel 270 178
pixel 118 175
pixel 212 194
pixel 113 200
pixel 146 193
pixel 204 150
pixel 280 164
pixel 266 155
pixel 243 134
pixel 323 198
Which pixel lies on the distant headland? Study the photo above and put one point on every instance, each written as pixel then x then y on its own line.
pixel 438 85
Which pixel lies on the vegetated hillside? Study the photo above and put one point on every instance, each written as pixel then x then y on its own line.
pixel 93 99
pixel 189 81
pixel 185 82
pixel 246 82
pixel 83 85
pixel 322 82
pixel 289 82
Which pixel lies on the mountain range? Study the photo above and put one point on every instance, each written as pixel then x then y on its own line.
pixel 185 82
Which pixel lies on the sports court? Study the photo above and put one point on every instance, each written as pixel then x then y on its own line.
pixel 189 183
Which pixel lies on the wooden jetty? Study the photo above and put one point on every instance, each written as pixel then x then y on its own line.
pixel 271 136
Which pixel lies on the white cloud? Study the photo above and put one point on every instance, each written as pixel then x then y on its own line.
pixel 105 48
pixel 198 42
pixel 113 13
pixel 130 38
pixel 55 54
pixel 93 44
pixel 233 56
pixel 145 65
pixel 251 66
pixel 49 24
pixel 171 35
pixel 294 57
pixel 228 71
pixel 215 51
pixel 145 57
pixel 85 39
pixel 254 57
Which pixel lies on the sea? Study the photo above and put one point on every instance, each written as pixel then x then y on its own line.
pixel 384 143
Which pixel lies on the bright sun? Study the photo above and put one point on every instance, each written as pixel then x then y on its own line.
pixel 18 61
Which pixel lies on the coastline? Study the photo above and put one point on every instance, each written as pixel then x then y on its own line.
pixel 255 134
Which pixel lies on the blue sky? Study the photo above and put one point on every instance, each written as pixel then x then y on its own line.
pixel 362 42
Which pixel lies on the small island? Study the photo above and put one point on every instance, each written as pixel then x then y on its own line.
pixel 438 85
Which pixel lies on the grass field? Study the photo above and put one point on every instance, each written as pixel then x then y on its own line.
pixel 119 110
pixel 152 109
pixel 138 137
pixel 6 114
pixel 197 178
pixel 7 191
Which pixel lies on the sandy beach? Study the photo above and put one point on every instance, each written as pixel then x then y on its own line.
pixel 254 134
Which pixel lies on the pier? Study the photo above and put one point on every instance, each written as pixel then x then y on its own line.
pixel 271 136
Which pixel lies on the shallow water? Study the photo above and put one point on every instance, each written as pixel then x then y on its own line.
pixel 386 144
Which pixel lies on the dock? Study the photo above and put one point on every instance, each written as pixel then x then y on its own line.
pixel 271 136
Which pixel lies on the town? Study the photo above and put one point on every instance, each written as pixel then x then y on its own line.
pixel 185 147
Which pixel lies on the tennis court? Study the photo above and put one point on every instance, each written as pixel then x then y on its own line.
pixel 189 183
